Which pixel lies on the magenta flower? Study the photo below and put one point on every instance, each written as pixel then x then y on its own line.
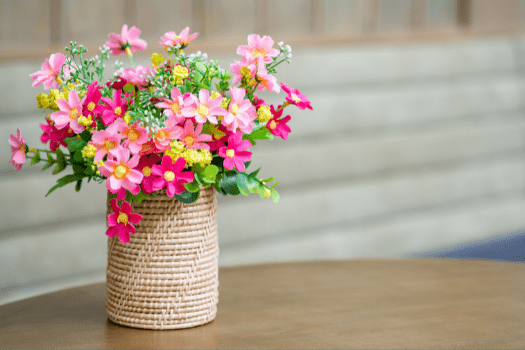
pixel 219 139
pixel 241 113
pixel 258 49
pixel 69 113
pixel 258 102
pixel 278 126
pixel 90 104
pixel 114 109
pixel 54 136
pixel 120 171
pixel 171 176
pixel 119 221
pixel 145 166
pixel 164 136
pixel 203 108
pixel 135 135
pixel 18 150
pixel 267 81
pixel 193 138
pixel 235 153
pixel 172 39
pixel 294 97
pixel 105 141
pixel 127 41
pixel 50 70
pixel 173 107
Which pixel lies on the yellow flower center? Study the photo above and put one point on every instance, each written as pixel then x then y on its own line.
pixel 189 140
pixel 272 125
pixel 109 145
pixel 169 176
pixel 295 98
pixel 133 135
pixel 203 110
pixel 122 218
pixel 259 52
pixel 146 171
pixel 217 136
pixel 91 106
pixel 73 113
pixel 118 111
pixel 121 171
pixel 230 153
pixel 175 108
pixel 234 109
pixel 161 134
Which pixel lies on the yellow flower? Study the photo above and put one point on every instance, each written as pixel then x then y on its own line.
pixel 85 121
pixel 215 94
pixel 157 59
pixel 89 151
pixel 225 102
pixel 179 73
pixel 197 156
pixel 55 95
pixel 264 114
pixel 127 118
pixel 177 148
pixel 43 101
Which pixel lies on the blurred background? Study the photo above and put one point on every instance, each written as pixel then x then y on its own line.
pixel 415 144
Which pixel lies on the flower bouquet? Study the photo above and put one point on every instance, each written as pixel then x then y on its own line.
pixel 163 138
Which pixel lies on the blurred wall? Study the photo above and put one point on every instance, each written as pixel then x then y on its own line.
pixel 415 142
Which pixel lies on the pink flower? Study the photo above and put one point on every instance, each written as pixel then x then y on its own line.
pixel 241 113
pixel 172 39
pixel 134 134
pixel 247 73
pixel 171 176
pixel 120 171
pixel 219 139
pixel 235 153
pixel 69 113
pixel 90 104
pixel 18 150
pixel 203 108
pixel 294 97
pixel 114 109
pixel 105 141
pixel 164 136
pixel 267 81
pixel 193 138
pixel 54 136
pixel 258 49
pixel 50 70
pixel 173 107
pixel 119 221
pixel 258 102
pixel 145 166
pixel 278 126
pixel 136 76
pixel 128 40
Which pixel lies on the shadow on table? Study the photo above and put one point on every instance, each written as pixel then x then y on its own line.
pixel 509 247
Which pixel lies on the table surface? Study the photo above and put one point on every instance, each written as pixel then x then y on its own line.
pixel 420 303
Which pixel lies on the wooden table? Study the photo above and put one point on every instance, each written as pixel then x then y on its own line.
pixel 327 304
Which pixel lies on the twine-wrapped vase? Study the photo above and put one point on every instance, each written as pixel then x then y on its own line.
pixel 166 276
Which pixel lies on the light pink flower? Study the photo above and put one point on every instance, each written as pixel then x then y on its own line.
pixel 105 141
pixel 235 153
pixel 241 113
pixel 267 81
pixel 164 136
pixel 238 66
pixel 296 98
pixel 135 135
pixel 50 69
pixel 120 171
pixel 171 176
pixel 258 49
pixel 136 76
pixel 119 221
pixel 69 113
pixel 172 39
pixel 129 39
pixel 193 138
pixel 173 107
pixel 203 108
pixel 18 150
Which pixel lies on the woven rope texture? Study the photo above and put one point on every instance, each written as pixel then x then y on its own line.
pixel 166 277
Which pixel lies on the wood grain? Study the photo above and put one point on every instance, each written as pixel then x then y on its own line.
pixel 325 304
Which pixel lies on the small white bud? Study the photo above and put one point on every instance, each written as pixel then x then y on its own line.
pixel 280 43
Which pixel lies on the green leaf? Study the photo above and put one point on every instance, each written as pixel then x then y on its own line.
pixel 253 185
pixel 192 186
pixel 270 179
pixel 203 86
pixel 74 145
pixel 139 197
pixel 254 174
pixel 259 134
pixel 78 157
pixel 198 76
pixel 61 162
pixel 242 184
pixel 49 163
pixel 188 197
pixel 62 182
pixel 274 195
pixel 217 185
pixel 78 185
pixel 36 158
pixel 228 183
pixel 201 67
pixel 210 173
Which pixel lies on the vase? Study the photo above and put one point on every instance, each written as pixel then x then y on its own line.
pixel 166 276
